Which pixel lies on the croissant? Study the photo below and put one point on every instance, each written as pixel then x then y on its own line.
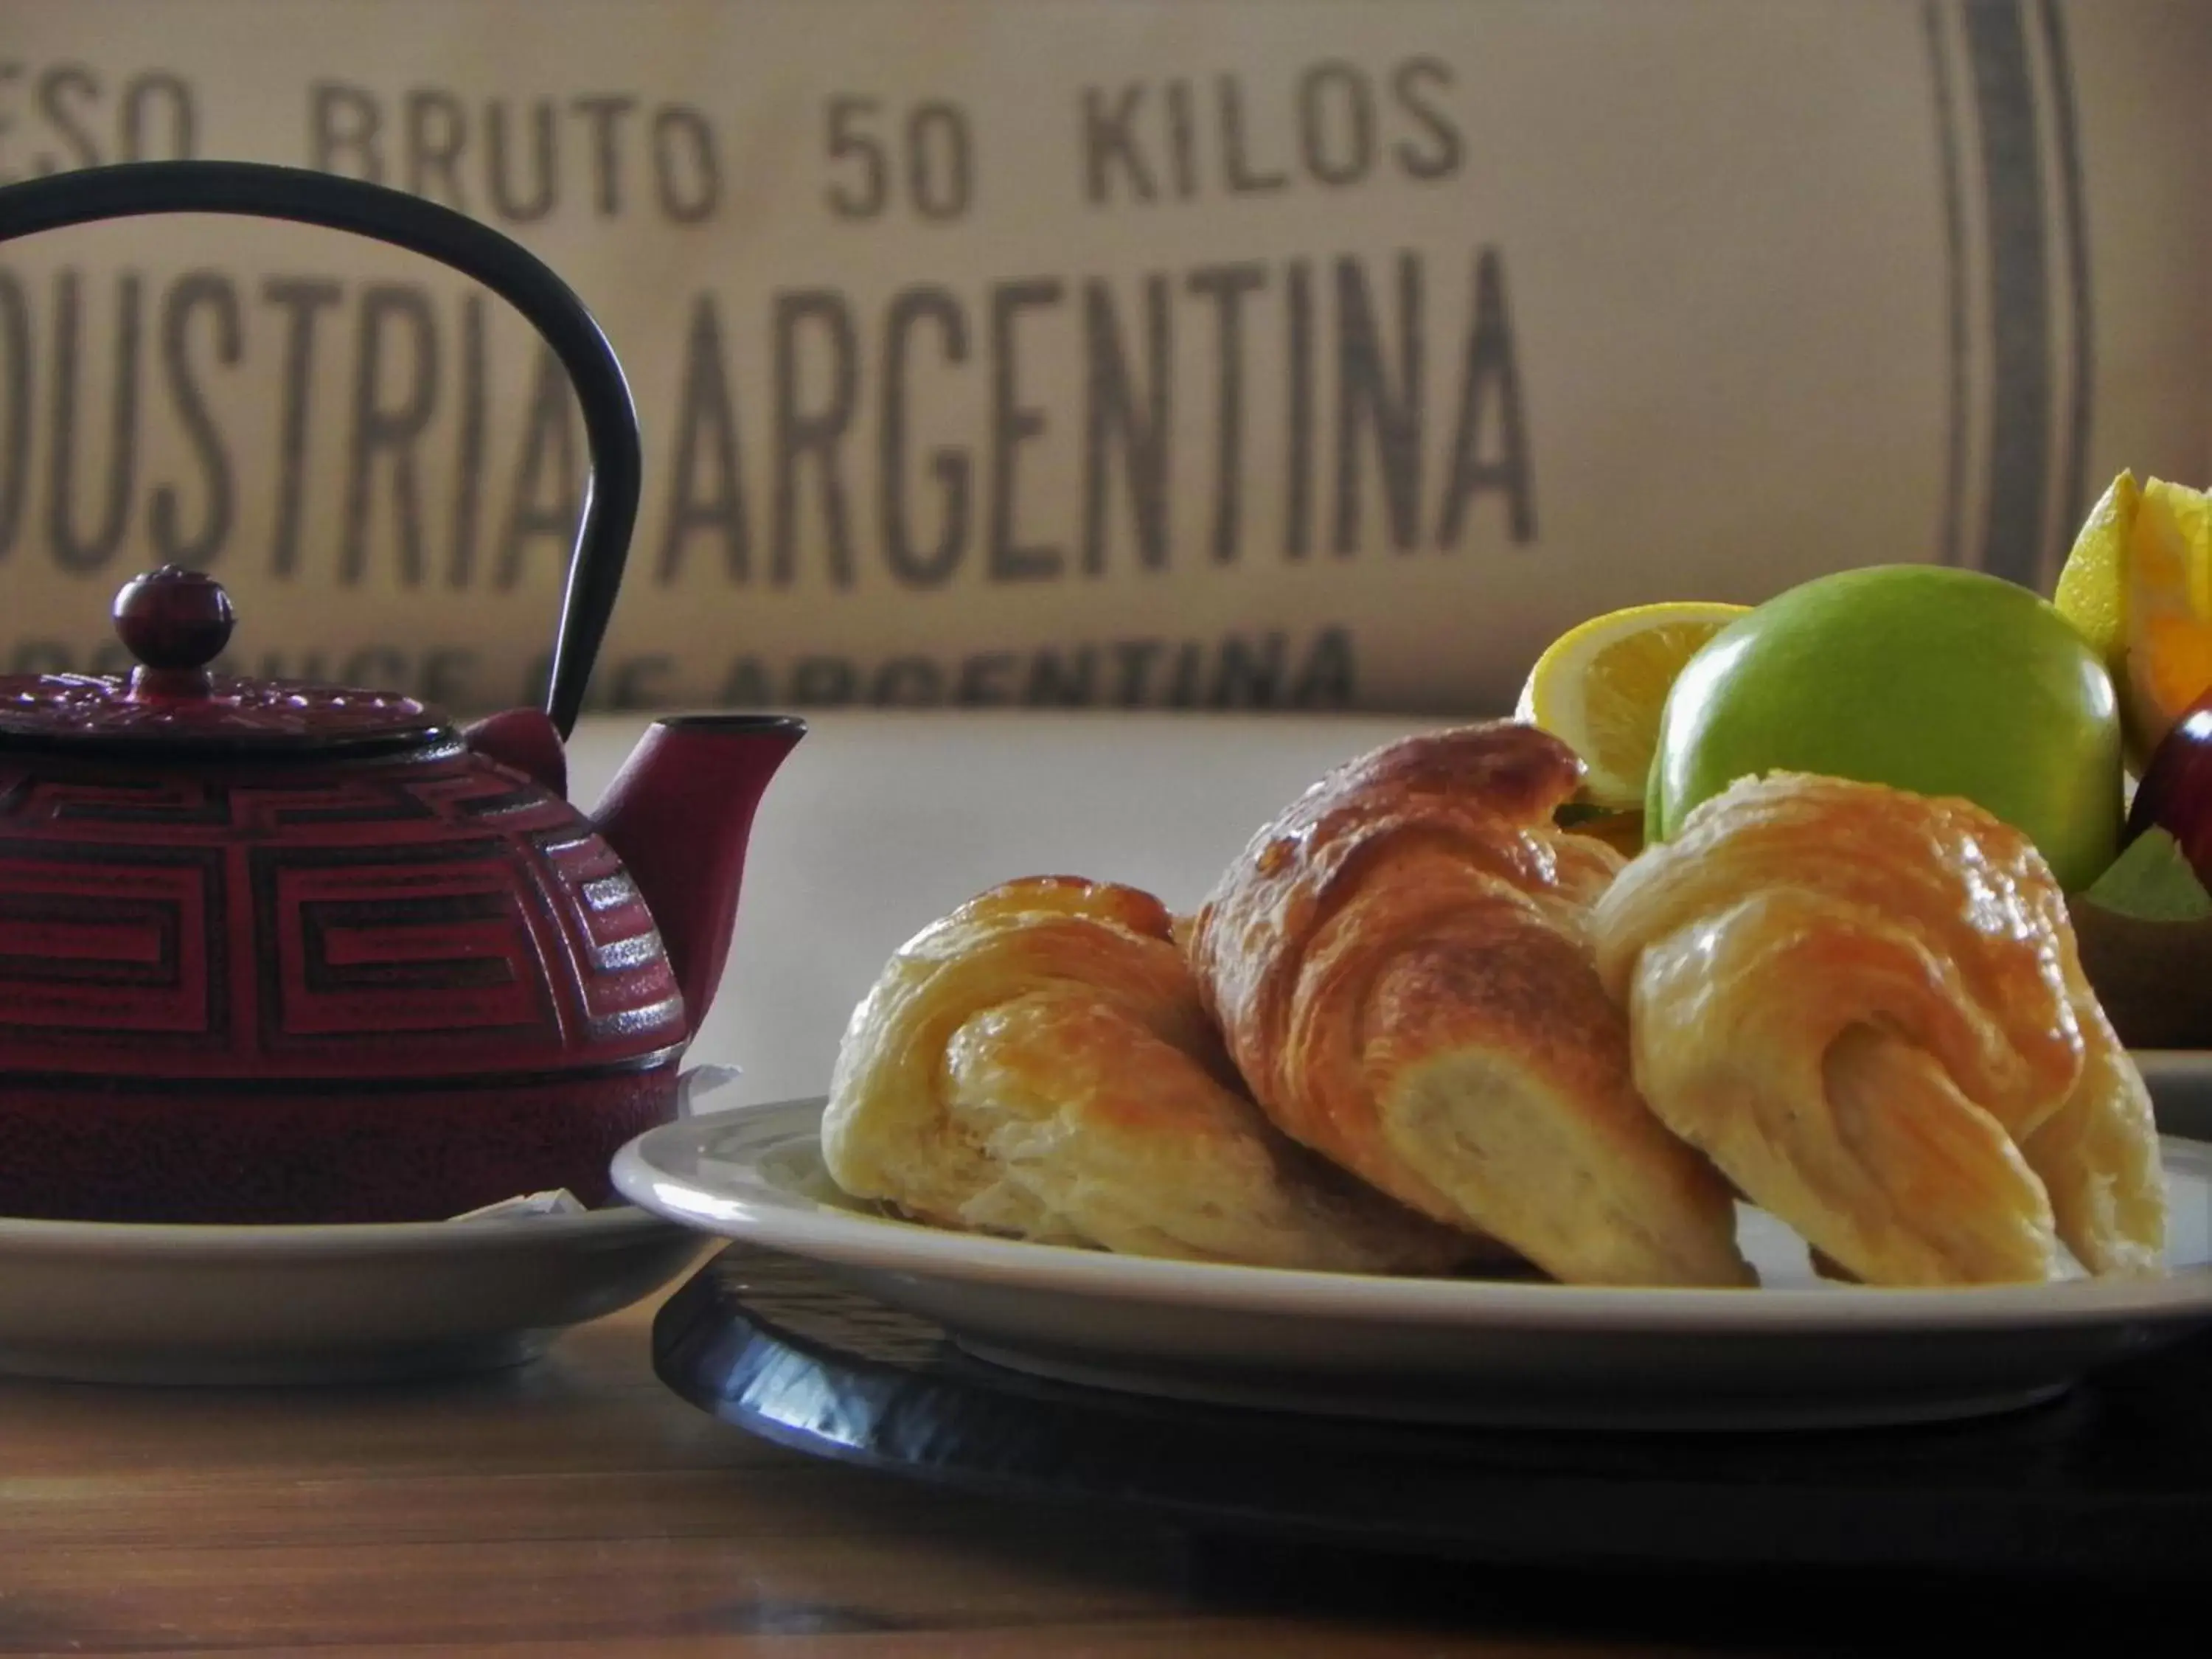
pixel 1400 969
pixel 1866 1007
pixel 1037 1063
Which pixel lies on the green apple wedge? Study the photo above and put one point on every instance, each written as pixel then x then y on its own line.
pixel 1942 681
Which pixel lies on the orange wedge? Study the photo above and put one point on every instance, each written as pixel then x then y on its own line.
pixel 2138 584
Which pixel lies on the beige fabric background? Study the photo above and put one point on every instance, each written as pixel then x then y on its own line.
pixel 1306 353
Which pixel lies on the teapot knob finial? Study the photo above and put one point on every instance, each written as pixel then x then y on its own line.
pixel 174 620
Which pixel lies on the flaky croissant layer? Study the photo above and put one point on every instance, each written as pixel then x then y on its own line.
pixel 1400 968
pixel 1866 1007
pixel 1037 1065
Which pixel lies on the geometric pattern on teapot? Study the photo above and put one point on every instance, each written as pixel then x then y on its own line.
pixel 443 918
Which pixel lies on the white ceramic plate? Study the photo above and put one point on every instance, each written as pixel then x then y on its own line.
pixel 97 1302
pixel 1797 1352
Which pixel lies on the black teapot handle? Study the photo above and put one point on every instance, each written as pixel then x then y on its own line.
pixel 257 190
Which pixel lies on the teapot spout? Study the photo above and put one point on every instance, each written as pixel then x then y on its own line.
pixel 678 815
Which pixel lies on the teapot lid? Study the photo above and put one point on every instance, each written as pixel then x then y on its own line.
pixel 175 621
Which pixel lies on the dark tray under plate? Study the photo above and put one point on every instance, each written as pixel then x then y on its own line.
pixel 2115 1476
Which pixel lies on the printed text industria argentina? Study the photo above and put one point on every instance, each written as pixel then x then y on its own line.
pixel 814 448
pixel 391 456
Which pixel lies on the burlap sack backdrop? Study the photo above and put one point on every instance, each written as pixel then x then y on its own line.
pixel 1234 354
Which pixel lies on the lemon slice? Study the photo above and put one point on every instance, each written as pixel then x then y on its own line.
pixel 1600 689
pixel 2092 591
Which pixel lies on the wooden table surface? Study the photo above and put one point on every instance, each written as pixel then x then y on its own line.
pixel 576 1507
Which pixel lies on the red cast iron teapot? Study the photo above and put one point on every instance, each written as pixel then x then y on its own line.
pixel 280 952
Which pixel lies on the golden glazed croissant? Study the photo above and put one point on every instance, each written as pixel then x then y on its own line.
pixel 1400 968
pixel 1866 1007
pixel 1037 1063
